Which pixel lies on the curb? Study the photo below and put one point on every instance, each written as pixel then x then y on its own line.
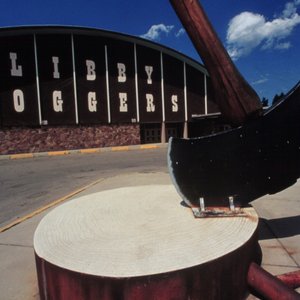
pixel 83 151
pixel 47 206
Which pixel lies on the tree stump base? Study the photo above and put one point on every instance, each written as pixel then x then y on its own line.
pixel 142 243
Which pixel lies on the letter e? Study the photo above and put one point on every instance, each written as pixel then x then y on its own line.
pixel 123 102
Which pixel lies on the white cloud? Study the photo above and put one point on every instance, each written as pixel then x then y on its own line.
pixel 260 81
pixel 155 31
pixel 290 9
pixel 181 32
pixel 248 30
pixel 283 46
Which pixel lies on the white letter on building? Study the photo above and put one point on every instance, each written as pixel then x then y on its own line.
pixel 122 72
pixel 92 102
pixel 149 70
pixel 55 61
pixel 57 101
pixel 15 70
pixel 19 104
pixel 174 100
pixel 91 67
pixel 150 103
pixel 123 102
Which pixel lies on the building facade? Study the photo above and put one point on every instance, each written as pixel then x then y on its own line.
pixel 69 88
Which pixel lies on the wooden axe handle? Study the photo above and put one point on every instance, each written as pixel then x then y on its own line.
pixel 236 99
pixel 268 286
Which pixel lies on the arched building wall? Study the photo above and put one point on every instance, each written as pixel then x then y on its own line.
pixel 69 88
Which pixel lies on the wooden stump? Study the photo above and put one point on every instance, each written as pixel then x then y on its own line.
pixel 142 243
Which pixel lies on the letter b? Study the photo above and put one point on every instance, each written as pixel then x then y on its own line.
pixel 91 67
pixel 121 72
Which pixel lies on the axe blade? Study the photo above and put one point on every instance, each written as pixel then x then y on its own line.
pixel 261 157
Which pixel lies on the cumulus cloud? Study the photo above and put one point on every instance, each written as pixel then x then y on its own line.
pixel 248 30
pixel 156 31
pixel 290 9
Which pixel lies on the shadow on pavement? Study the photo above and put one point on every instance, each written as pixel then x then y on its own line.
pixel 280 228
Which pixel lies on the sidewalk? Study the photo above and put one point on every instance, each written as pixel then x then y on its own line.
pixel 279 235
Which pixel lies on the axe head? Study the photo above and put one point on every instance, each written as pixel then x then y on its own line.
pixel 261 157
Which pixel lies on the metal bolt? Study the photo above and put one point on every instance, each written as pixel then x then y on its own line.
pixel 231 203
pixel 202 204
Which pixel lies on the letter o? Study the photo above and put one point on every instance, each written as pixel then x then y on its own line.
pixel 19 104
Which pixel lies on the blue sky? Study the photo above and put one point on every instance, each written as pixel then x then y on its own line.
pixel 262 36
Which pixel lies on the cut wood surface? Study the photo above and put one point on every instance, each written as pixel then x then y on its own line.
pixel 136 231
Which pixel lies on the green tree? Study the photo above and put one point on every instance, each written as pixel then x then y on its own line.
pixel 277 98
pixel 264 102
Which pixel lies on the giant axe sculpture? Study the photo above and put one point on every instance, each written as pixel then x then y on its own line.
pixel 261 155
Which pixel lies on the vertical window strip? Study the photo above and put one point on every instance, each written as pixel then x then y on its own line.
pixel 107 85
pixel 185 94
pixel 37 80
pixel 74 79
pixel 136 85
pixel 162 87
pixel 205 95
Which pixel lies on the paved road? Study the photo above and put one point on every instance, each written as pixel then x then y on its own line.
pixel 27 184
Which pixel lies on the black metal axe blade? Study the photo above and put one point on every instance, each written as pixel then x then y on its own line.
pixel 261 157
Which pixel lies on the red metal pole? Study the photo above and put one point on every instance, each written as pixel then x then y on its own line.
pixel 236 99
pixel 291 279
pixel 269 286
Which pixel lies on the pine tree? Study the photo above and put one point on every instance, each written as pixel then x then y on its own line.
pixel 277 98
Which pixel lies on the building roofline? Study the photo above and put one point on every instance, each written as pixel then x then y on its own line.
pixel 90 31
